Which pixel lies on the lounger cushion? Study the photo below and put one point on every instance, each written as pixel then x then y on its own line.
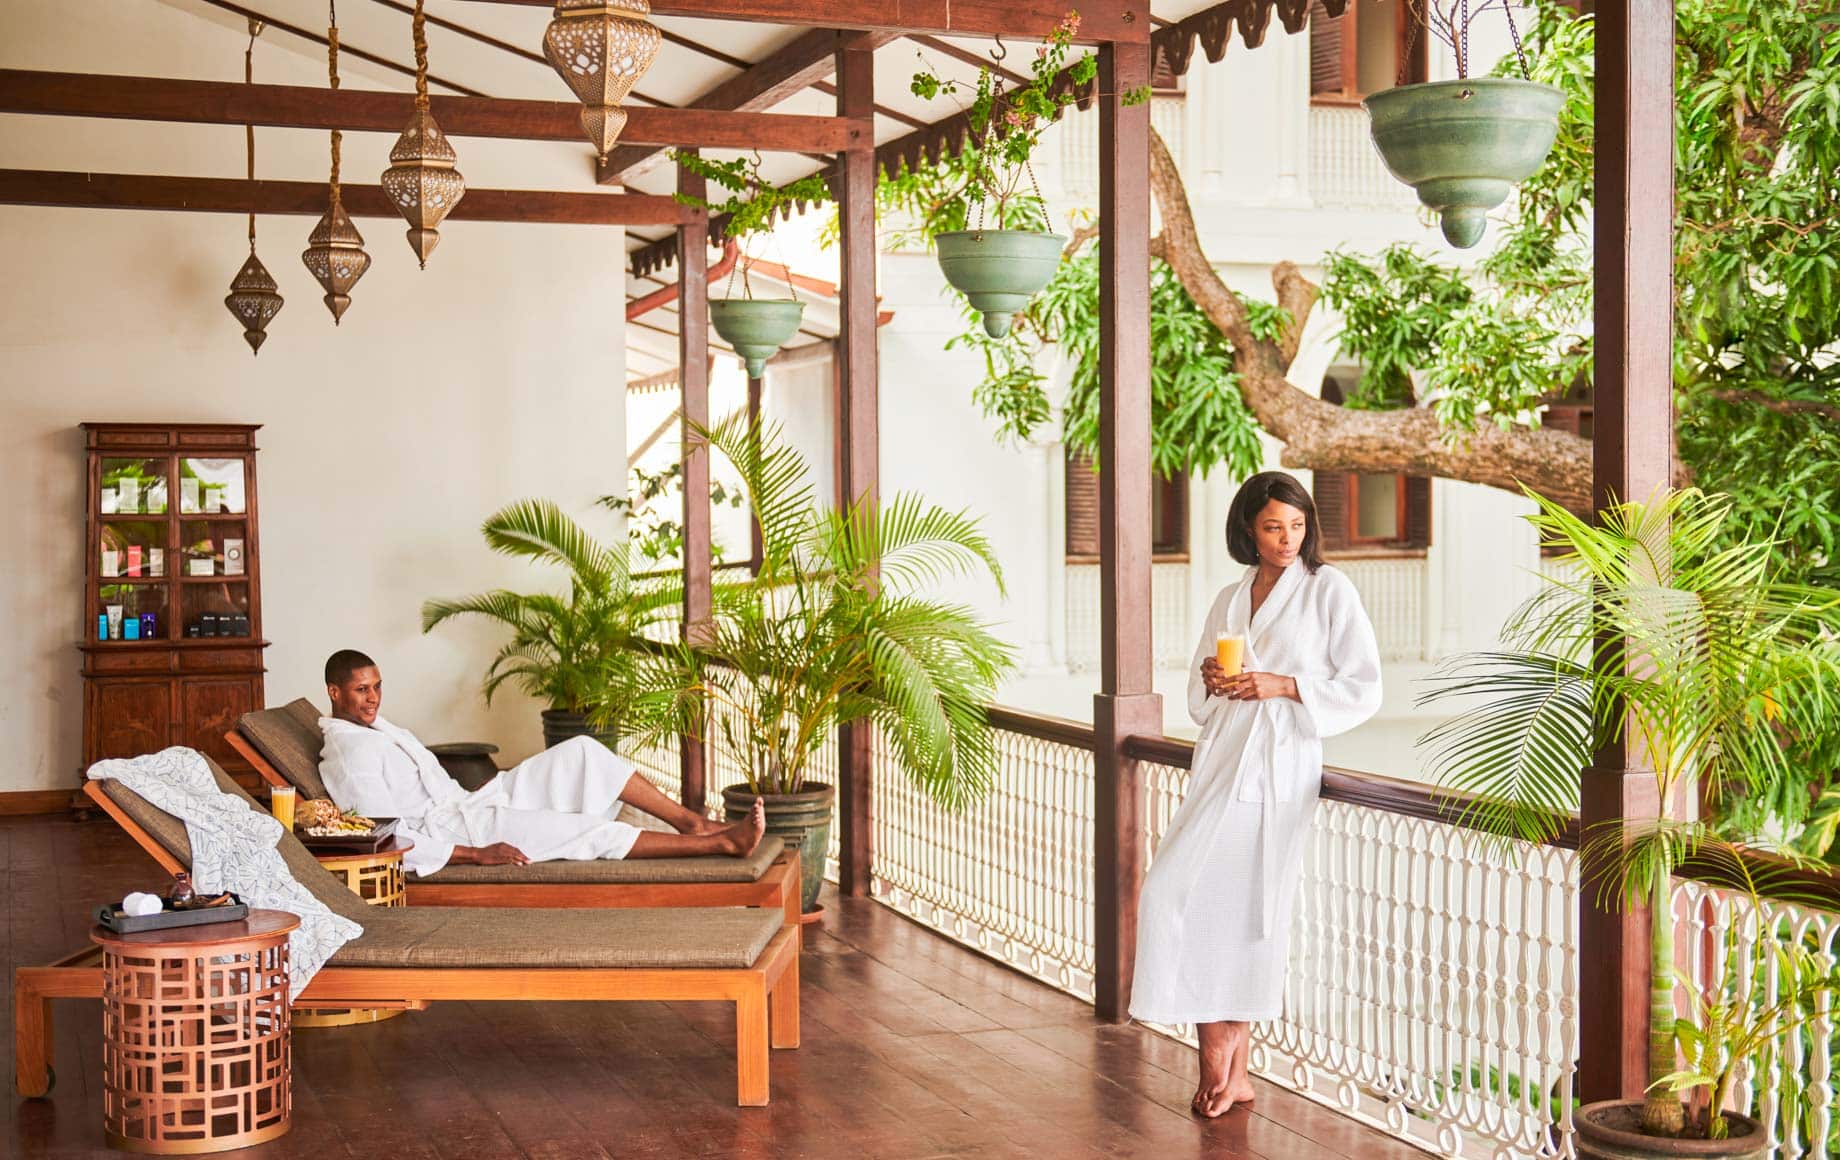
pixel 605 870
pixel 290 739
pixel 454 936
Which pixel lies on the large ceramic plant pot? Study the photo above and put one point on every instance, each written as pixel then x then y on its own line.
pixel 999 270
pixel 1463 144
pixel 802 820
pixel 560 724
pixel 756 327
pixel 1611 1130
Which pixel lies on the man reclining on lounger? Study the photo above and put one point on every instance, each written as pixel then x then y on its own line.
pixel 559 804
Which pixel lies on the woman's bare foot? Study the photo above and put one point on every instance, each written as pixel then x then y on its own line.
pixel 1216 1065
pixel 740 838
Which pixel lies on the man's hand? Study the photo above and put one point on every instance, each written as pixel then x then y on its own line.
pixel 1260 687
pixel 497 854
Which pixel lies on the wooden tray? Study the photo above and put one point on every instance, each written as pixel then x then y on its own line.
pixel 357 843
pixel 110 917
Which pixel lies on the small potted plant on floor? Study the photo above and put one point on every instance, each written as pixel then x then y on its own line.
pixel 1461 144
pixel 755 327
pixel 575 651
pixel 1670 636
pixel 836 627
pixel 998 262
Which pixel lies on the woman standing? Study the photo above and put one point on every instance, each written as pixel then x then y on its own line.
pixel 1213 929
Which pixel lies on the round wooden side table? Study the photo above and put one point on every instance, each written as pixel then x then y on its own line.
pixel 195 1035
pixel 376 877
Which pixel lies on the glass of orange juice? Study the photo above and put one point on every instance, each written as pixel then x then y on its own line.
pixel 281 804
pixel 1230 651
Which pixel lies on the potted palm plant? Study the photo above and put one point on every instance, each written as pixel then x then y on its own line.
pixel 1462 144
pixel 999 267
pixel 834 628
pixel 576 651
pixel 1668 634
pixel 755 327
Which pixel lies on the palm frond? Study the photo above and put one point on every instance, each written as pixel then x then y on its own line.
pixel 539 529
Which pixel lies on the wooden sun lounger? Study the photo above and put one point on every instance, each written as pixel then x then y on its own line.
pixel 765 992
pixel 777 886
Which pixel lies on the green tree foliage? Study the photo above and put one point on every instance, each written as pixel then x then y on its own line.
pixel 1757 272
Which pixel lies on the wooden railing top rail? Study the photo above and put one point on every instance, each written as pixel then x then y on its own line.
pixel 1064 730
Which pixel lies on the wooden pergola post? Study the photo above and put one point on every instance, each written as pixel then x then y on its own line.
pixel 1633 449
pixel 693 378
pixel 1125 704
pixel 858 432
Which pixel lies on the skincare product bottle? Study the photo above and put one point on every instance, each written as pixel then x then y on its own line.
pixel 102 626
pixel 131 628
pixel 114 613
pixel 150 626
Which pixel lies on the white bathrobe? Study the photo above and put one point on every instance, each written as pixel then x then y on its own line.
pixel 559 804
pixel 1213 927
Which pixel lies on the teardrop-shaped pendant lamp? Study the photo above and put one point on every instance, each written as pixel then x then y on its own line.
pixel 254 299
pixel 335 249
pixel 601 48
pixel 421 179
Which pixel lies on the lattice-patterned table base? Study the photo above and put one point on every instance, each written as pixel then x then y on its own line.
pixel 195 1036
pixel 377 878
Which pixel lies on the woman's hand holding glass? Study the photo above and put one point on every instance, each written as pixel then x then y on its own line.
pixel 1246 686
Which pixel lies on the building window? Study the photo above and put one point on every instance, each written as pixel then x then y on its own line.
pixel 1359 52
pixel 1370 511
pixel 1168 512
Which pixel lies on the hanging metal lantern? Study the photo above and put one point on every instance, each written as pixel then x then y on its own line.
pixel 335 249
pixel 421 179
pixel 335 256
pixel 253 300
pixel 601 48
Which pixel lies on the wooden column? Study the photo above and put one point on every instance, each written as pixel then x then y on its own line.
pixel 693 379
pixel 856 431
pixel 1634 455
pixel 1125 704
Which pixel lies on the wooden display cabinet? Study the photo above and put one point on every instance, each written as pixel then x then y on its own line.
pixel 172 614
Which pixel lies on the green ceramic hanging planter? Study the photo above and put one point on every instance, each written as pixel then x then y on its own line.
pixel 999 270
pixel 1463 144
pixel 756 327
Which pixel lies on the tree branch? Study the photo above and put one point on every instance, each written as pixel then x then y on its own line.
pixel 1780 406
pixel 1323 436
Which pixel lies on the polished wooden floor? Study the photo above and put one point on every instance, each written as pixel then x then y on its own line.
pixel 913 1048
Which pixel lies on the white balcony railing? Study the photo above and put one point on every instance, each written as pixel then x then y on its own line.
pixel 1345 170
pixel 1393 592
pixel 1079 141
pixel 1172 632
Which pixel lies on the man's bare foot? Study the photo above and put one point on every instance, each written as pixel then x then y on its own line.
pixel 740 838
pixel 701 824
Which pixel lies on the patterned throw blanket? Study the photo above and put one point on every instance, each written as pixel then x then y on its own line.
pixel 233 848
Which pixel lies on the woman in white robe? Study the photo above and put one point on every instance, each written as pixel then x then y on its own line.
pixel 1213 930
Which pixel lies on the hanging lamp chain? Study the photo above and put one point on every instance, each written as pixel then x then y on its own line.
pixel 1415 16
pixel 249 130
pixel 419 32
pixel 1514 32
pixel 332 74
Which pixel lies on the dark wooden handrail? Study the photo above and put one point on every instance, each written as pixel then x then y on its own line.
pixel 1063 730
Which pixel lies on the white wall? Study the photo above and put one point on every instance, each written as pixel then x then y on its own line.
pixel 494 374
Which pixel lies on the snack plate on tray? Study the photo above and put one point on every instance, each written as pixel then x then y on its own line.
pixel 353 841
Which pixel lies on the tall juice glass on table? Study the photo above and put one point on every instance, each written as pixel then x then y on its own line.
pixel 281 804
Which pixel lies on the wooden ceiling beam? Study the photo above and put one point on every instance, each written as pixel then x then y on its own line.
pixel 804 62
pixel 1123 21
pixel 308 198
pixel 299 107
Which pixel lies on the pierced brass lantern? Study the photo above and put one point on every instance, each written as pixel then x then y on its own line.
pixel 422 180
pixel 253 300
pixel 601 48
pixel 335 256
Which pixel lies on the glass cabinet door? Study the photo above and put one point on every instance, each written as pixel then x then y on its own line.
pixel 211 486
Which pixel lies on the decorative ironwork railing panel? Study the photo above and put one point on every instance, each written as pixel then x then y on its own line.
pixel 1171 632
pixel 1011 876
pixel 1792 1092
pixel 1432 987
pixel 1345 169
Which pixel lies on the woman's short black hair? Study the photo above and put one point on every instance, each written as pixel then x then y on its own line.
pixel 1253 495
